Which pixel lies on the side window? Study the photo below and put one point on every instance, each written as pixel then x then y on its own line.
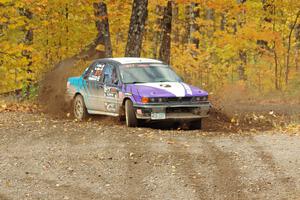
pixel 110 75
pixel 96 71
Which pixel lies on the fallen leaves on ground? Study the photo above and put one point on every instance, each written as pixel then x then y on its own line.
pixel 292 128
pixel 19 107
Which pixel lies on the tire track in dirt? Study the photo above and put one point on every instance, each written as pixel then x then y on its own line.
pixel 71 191
pixel 137 169
pixel 227 176
pixel 287 183
pixel 2 197
pixel 148 170
pixel 112 165
pixel 184 160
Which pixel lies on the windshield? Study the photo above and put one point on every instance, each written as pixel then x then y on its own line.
pixel 142 73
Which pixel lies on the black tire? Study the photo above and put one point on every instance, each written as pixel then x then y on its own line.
pixel 196 124
pixel 122 116
pixel 131 120
pixel 79 108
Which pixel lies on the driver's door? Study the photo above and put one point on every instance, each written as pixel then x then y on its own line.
pixel 111 88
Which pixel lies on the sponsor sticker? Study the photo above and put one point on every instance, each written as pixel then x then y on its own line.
pixel 111 107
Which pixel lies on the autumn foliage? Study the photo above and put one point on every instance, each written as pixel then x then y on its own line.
pixel 213 42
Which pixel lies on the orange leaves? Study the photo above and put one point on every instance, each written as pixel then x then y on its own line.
pixel 20 107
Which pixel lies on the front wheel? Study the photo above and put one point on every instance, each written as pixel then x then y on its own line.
pixel 131 120
pixel 79 109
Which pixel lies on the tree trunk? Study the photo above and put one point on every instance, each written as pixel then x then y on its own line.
pixel 28 40
pixel 268 7
pixel 276 69
pixel 176 23
pixel 241 68
pixel 194 27
pixel 192 13
pixel 157 32
pixel 287 68
pixel 187 34
pixel 223 22
pixel 67 27
pixel 242 53
pixel 136 29
pixel 297 38
pixel 276 76
pixel 269 16
pixel 103 42
pixel 164 53
pixel 210 15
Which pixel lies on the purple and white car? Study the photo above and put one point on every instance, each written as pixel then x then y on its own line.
pixel 136 89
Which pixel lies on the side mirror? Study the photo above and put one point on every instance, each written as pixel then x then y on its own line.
pixel 116 82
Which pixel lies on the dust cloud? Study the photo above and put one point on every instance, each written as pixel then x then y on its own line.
pixel 53 88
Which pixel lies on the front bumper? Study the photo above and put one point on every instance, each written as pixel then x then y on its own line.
pixel 173 111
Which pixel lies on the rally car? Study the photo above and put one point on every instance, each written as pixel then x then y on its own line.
pixel 136 89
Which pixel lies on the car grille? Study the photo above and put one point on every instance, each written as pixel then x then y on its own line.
pixel 178 99
pixel 179 110
pixel 171 100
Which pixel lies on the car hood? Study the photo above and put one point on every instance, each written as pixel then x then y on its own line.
pixel 165 89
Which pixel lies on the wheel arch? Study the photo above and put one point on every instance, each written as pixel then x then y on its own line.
pixel 77 93
pixel 125 99
pixel 122 108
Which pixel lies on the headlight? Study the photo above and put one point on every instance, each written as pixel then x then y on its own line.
pixel 199 99
pixel 205 98
pixel 152 100
pixel 156 100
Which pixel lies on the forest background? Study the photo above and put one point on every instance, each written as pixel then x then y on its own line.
pixel 214 44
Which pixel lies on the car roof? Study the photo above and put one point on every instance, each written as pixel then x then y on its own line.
pixel 131 60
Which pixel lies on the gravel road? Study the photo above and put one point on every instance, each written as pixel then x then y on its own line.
pixel 46 158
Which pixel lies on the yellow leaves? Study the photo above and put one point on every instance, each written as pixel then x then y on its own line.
pixel 20 107
pixel 63 27
pixel 100 47
pixel 204 22
pixel 3 106
pixel 291 128
pixel 3 20
pixel 5 1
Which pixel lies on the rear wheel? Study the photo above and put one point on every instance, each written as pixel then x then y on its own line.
pixel 131 120
pixel 196 124
pixel 79 109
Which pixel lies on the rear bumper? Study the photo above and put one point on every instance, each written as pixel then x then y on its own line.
pixel 173 111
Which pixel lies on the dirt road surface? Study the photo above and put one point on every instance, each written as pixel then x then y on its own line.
pixel 44 158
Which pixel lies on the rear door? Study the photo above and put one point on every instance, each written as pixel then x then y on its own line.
pixel 94 87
